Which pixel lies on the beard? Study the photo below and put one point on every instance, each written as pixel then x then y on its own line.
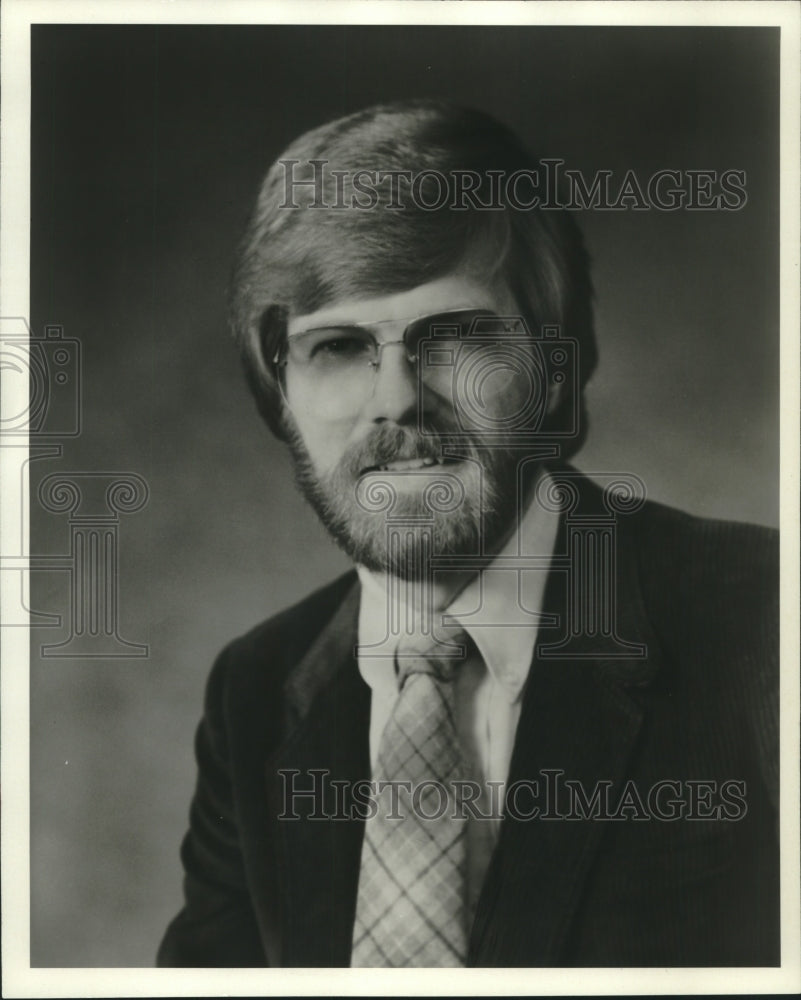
pixel 447 500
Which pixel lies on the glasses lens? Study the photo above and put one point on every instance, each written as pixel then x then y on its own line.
pixel 331 350
pixel 331 369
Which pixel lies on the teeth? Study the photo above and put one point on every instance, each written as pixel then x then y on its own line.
pixel 408 463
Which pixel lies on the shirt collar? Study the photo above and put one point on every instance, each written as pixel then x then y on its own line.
pixel 499 607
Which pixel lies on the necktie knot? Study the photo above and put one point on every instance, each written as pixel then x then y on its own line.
pixel 441 661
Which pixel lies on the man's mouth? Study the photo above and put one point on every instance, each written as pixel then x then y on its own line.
pixel 407 464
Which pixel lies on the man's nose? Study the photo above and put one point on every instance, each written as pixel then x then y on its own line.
pixel 394 394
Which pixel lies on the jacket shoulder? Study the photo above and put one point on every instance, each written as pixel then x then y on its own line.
pixel 266 653
pixel 711 590
pixel 708 565
pixel 300 622
pixel 750 545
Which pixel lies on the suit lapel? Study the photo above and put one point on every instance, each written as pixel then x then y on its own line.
pixel 319 835
pixel 579 720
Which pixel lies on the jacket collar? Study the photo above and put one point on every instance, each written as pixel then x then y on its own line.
pixel 333 650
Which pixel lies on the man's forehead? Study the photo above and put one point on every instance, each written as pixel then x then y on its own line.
pixel 454 291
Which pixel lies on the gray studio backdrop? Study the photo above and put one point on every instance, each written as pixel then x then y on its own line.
pixel 147 146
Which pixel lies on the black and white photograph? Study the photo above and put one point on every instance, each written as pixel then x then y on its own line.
pixel 400 498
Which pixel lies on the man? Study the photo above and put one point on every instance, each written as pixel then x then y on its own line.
pixel 538 724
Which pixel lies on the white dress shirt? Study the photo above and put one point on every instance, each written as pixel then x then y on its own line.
pixel 499 609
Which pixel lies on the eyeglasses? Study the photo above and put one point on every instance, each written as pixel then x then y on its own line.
pixel 335 367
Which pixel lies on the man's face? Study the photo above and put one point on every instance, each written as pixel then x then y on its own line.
pixel 369 451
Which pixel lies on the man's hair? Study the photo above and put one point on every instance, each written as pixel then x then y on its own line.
pixel 295 258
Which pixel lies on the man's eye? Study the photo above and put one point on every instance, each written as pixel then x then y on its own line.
pixel 341 348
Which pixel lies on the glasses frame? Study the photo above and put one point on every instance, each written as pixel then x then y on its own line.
pixel 366 325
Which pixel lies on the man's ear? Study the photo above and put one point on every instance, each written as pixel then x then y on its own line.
pixel 286 422
pixel 271 330
pixel 556 395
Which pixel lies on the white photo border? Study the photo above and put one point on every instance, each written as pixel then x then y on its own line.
pixel 19 979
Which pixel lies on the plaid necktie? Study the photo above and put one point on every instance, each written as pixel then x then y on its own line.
pixel 411 904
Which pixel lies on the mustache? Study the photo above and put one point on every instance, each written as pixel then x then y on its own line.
pixel 394 443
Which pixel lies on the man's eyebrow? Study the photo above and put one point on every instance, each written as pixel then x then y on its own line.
pixel 325 325
pixel 334 323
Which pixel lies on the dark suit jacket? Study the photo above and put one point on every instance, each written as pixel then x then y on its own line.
pixel 702 705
